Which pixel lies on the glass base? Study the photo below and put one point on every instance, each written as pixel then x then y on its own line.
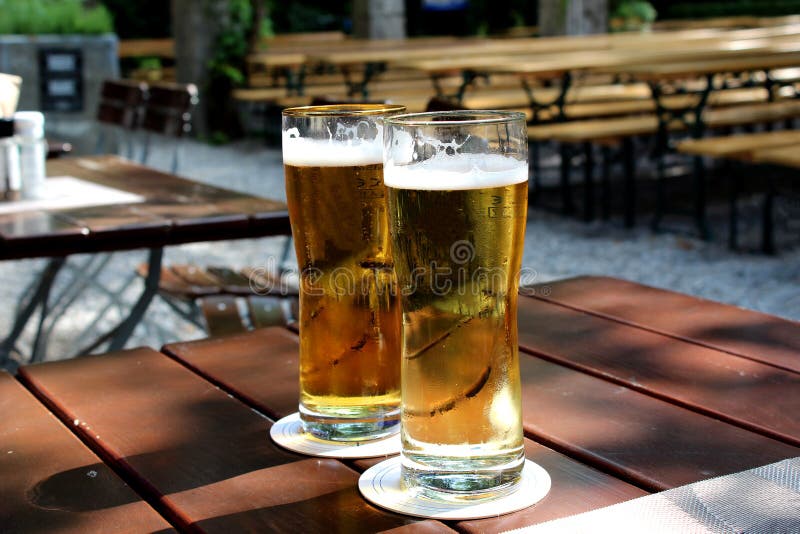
pixel 350 424
pixel 462 479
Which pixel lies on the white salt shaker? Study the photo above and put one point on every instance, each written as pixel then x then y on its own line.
pixel 29 128
pixel 9 162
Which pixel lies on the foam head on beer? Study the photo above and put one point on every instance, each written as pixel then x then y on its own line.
pixel 343 148
pixel 458 171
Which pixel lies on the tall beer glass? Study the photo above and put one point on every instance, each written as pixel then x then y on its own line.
pixel 457 187
pixel 349 308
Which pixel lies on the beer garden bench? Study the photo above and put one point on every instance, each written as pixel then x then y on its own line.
pixel 764 148
pixel 620 132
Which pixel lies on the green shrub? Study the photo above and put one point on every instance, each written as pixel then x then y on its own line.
pixel 37 17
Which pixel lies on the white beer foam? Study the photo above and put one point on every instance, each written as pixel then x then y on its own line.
pixel 302 152
pixel 462 171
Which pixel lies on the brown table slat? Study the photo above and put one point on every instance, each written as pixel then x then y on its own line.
pixel 206 457
pixel 754 395
pixel 50 481
pixel 754 335
pixel 239 364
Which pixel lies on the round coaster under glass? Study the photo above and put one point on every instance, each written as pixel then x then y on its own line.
pixel 289 434
pixel 380 485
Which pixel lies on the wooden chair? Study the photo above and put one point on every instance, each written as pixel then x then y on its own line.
pixel 229 300
pixel 168 112
pixel 120 110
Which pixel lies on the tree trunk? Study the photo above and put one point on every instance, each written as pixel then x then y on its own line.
pixel 379 19
pixel 196 25
pixel 572 17
pixel 259 8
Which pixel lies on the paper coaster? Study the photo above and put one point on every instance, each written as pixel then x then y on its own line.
pixel 380 485
pixel 288 433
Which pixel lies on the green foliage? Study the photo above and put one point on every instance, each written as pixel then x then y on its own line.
pixel 632 15
pixel 637 10
pixel 227 66
pixel 292 16
pixel 38 17
pixel 231 46
pixel 150 63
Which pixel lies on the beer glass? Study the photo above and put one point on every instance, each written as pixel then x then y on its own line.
pixel 349 308
pixel 457 189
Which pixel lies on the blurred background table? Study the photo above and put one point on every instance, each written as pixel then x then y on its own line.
pixel 168 210
pixel 627 390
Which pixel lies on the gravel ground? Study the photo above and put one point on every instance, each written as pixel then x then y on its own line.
pixel 555 247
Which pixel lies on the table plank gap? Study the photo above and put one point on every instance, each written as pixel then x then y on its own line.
pixel 745 333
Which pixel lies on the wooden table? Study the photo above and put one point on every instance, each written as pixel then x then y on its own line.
pixel 626 390
pixel 174 211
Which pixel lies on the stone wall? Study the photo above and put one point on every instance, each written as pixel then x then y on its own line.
pixel 19 54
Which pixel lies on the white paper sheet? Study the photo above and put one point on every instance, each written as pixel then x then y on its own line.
pixel 762 500
pixel 65 192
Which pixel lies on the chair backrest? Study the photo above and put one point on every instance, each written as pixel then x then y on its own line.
pixel 168 109
pixel 121 102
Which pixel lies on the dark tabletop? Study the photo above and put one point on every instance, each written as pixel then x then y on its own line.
pixel 627 390
pixel 175 210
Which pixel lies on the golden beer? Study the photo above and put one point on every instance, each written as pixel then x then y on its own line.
pixel 349 309
pixel 457 229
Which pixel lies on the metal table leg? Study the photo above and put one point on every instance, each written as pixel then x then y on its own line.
pixel 39 297
pixel 119 335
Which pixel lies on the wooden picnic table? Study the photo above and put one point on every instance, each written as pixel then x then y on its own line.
pixel 169 210
pixel 627 390
pixel 535 69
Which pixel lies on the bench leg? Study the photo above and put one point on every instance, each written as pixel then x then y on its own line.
pixel 567 204
pixel 629 162
pixel 700 198
pixel 588 182
pixel 767 228
pixel 734 181
pixel 660 193
pixel 536 168
pixel 606 184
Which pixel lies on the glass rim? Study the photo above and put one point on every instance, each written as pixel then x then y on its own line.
pixel 464 117
pixel 342 110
